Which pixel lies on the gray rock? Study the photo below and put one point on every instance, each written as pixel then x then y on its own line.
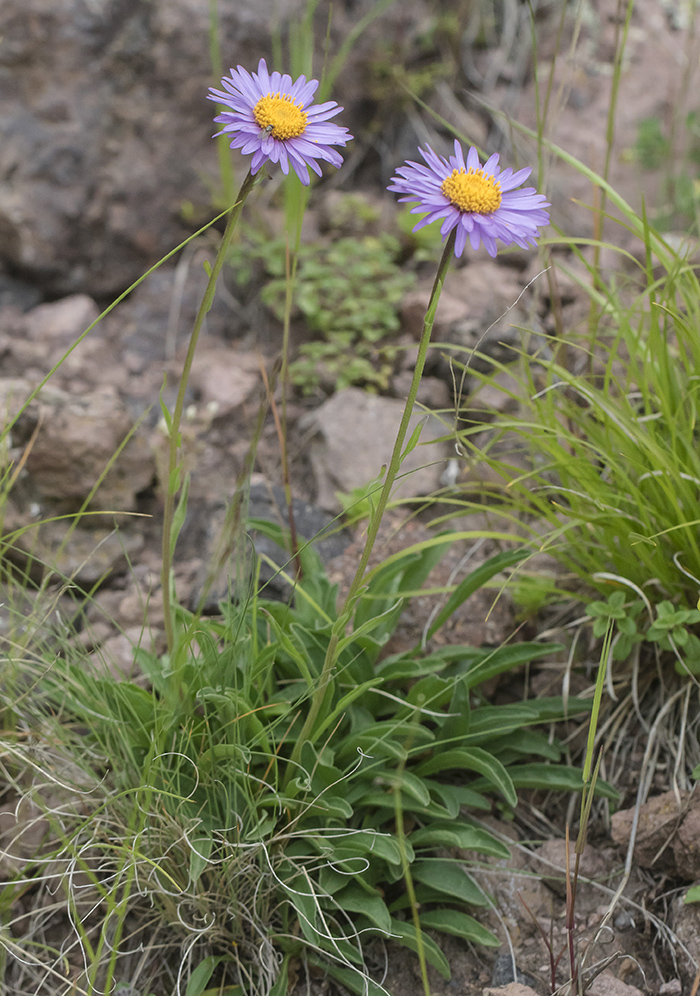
pixel 107 130
pixel 86 554
pixel 17 293
pixel 350 439
pixel 503 974
pixel 480 311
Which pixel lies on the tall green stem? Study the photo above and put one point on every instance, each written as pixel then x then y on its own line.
pixel 355 589
pixel 174 481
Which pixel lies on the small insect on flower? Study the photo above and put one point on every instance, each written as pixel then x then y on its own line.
pixel 481 202
pixel 272 118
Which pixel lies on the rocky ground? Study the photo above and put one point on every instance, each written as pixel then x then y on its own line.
pixel 103 173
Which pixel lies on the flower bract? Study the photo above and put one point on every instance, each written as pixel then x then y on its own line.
pixel 273 118
pixel 481 202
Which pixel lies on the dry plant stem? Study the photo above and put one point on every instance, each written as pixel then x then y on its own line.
pixel 696 983
pixel 599 216
pixel 376 519
pixel 571 883
pixel 174 483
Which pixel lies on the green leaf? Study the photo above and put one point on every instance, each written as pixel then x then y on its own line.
pixel 692 895
pixel 220 754
pixel 458 722
pixel 460 924
pixel 445 796
pixel 474 759
pixel 199 857
pixel 552 777
pixel 343 704
pixel 353 897
pixel 489 722
pixel 307 911
pixel 331 805
pixel 461 795
pixel 464 835
pixel 410 784
pixel 473 582
pixel 450 878
pixel 504 659
pixel 407 936
pixel 385 801
pixel 415 438
pixel 371 843
pixel 525 742
pixel 431 692
pixel 355 981
pixel 280 986
pixel 381 740
pixel 201 975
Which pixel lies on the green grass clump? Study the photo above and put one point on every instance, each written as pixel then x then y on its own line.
pixel 257 849
pixel 611 431
pixel 607 470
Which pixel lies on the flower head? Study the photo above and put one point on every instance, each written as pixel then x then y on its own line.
pixel 481 202
pixel 271 117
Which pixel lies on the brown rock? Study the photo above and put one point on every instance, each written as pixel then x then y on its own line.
pixel 76 440
pixel 224 379
pixel 512 989
pixel 606 984
pixel 414 305
pixel 433 393
pixel 95 168
pixel 87 556
pixel 685 922
pixel 686 843
pixel 502 393
pixel 549 861
pixel 14 391
pixel 117 654
pixel 479 293
pixel 61 322
pixel 659 819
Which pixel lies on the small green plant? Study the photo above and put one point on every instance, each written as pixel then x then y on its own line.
pixel 348 293
pixel 652 147
pixel 654 151
pixel 671 630
pixel 624 615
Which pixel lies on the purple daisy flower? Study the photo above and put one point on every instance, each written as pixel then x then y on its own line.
pixel 272 118
pixel 480 201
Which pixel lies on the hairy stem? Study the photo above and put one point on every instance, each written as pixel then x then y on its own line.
pixel 174 481
pixel 355 589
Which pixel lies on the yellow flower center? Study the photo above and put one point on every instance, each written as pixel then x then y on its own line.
pixel 280 116
pixel 472 191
